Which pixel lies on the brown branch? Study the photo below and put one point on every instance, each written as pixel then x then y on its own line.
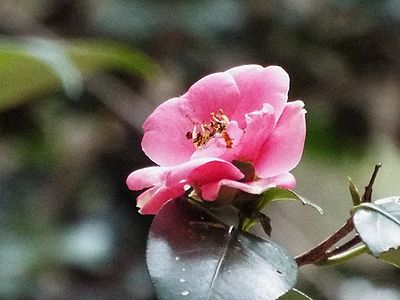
pixel 338 250
pixel 367 197
pixel 318 253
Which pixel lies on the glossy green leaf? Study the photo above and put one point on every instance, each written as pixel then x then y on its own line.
pixel 191 255
pixel 378 224
pixel 392 257
pixel 35 67
pixel 278 194
pixel 295 294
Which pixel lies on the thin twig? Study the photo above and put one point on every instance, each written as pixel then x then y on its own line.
pixel 367 197
pixel 346 246
pixel 318 252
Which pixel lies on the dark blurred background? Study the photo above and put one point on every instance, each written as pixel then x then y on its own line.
pixel 78 78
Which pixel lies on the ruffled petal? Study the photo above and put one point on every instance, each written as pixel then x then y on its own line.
pixel 145 178
pixel 159 197
pixel 259 125
pixel 202 170
pixel 283 149
pixel 210 191
pixel 260 85
pixel 167 183
pixel 164 140
pixel 144 197
pixel 214 171
pixel 210 94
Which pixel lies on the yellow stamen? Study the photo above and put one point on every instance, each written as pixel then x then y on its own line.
pixel 218 125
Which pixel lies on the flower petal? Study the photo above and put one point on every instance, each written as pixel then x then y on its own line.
pixel 167 183
pixel 210 94
pixel 214 171
pixel 202 170
pixel 159 197
pixel 283 149
pixel 259 125
pixel 210 191
pixel 146 177
pixel 260 85
pixel 144 197
pixel 164 139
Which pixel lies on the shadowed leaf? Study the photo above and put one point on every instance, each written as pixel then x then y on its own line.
pixel 392 257
pixel 192 255
pixel 294 294
pixel 279 194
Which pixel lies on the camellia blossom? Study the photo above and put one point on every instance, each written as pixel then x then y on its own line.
pixel 200 139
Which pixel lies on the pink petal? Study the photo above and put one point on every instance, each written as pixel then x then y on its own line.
pixel 210 94
pixel 167 183
pixel 210 191
pixel 171 176
pixel 202 170
pixel 147 195
pixel 146 177
pixel 283 149
pixel 260 85
pixel 214 171
pixel 159 197
pixel 164 139
pixel 259 125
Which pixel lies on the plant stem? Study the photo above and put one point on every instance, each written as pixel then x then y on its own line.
pixel 320 255
pixel 346 246
pixel 317 253
pixel 248 224
pixel 344 256
pixel 367 197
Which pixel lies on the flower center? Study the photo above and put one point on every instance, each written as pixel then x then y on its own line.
pixel 202 133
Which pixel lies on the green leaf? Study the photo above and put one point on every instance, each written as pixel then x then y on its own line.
pixel 23 77
pixel 378 224
pixel 279 194
pixel 355 194
pixel 95 55
pixel 33 67
pixel 294 294
pixel 392 257
pixel 191 254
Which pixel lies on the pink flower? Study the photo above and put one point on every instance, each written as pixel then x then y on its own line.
pixel 238 115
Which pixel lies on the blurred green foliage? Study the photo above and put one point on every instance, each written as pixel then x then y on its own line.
pixel 33 67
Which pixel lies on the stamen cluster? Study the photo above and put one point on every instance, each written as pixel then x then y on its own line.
pixel 202 133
